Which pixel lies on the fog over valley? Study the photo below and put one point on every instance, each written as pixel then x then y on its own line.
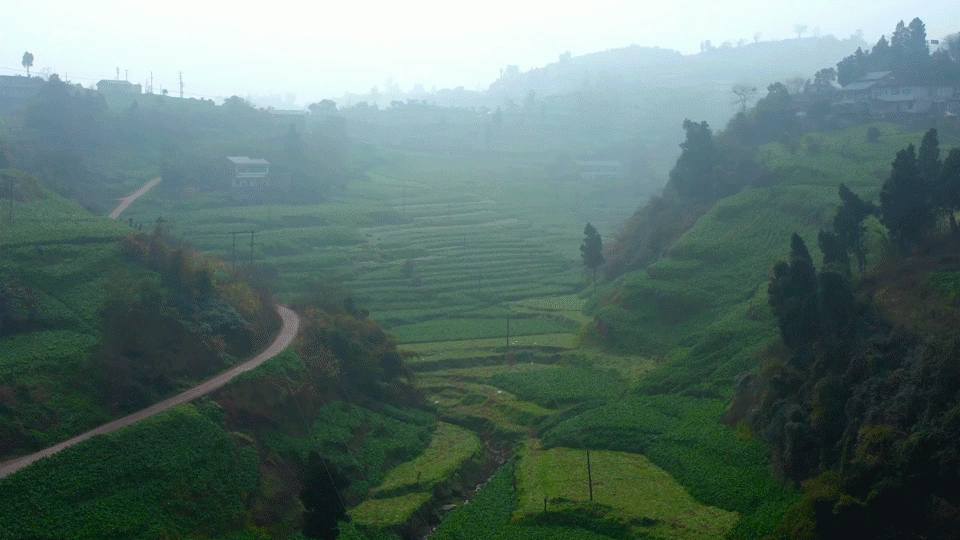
pixel 493 271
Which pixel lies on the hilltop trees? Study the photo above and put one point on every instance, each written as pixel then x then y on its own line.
pixel 907 55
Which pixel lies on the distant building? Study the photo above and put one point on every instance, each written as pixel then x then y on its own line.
pixel 250 172
pixel 600 170
pixel 111 86
pixel 286 119
pixel 880 95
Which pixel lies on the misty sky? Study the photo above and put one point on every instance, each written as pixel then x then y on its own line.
pixel 323 49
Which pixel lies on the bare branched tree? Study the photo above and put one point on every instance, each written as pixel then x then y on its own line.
pixel 745 94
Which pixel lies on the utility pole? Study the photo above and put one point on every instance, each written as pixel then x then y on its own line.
pixel 126 75
pixel 589 475
pixel 151 82
pixel 181 85
pixel 118 73
pixel 9 181
pixel 508 334
pixel 251 247
pixel 233 250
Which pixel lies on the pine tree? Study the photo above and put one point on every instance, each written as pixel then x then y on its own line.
pixel 322 506
pixel 904 202
pixel 928 166
pixel 848 223
pixel 793 296
pixel 592 251
pixel 950 184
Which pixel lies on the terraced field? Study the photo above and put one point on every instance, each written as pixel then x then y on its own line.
pixel 432 246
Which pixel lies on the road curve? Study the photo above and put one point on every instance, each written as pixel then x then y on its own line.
pixel 288 331
pixel 125 202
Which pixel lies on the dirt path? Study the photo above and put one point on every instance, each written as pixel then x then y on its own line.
pixel 291 322
pixel 288 331
pixel 125 202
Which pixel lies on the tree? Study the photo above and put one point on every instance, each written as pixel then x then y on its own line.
pixel 592 251
pixel 324 106
pixel 848 223
pixel 323 507
pixel 800 29
pixel 792 295
pixel 824 78
pixel 929 164
pixel 905 208
pixel 745 94
pixel 27 61
pixel 834 253
pixel 950 184
pixel 690 175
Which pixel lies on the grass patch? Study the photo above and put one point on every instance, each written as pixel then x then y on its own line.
pixel 462 329
pixel 682 435
pixel 631 490
pixel 388 512
pixel 489 517
pixel 551 386
pixel 450 447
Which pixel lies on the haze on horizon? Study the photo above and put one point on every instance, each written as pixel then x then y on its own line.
pixel 325 50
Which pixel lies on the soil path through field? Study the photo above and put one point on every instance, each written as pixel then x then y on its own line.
pixel 125 202
pixel 291 323
pixel 288 331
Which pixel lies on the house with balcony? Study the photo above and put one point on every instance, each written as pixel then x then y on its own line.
pixel 249 173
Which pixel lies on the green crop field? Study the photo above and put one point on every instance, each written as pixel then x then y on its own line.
pixel 630 488
pixel 450 447
pixel 159 478
pixel 429 244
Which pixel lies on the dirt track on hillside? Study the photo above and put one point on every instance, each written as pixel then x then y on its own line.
pixel 288 331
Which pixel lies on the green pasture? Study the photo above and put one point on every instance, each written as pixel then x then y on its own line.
pixel 408 487
pixel 628 487
pixel 450 447
pixel 554 385
pixel 389 511
pixel 463 396
pixel 716 464
pixel 489 517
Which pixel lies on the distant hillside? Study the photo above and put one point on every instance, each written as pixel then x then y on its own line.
pixel 642 68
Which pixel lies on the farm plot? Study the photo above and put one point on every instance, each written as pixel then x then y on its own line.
pixel 422 238
pixel 628 490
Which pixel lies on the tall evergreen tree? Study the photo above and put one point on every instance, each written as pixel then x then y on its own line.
pixel 690 175
pixel 904 202
pixel 592 251
pixel 835 255
pixel 950 184
pixel 792 295
pixel 928 166
pixel 322 506
pixel 848 223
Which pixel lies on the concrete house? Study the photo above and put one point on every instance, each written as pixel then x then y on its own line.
pixel 112 86
pixel 250 172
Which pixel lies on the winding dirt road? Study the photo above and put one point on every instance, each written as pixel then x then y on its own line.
pixel 288 331
pixel 125 202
